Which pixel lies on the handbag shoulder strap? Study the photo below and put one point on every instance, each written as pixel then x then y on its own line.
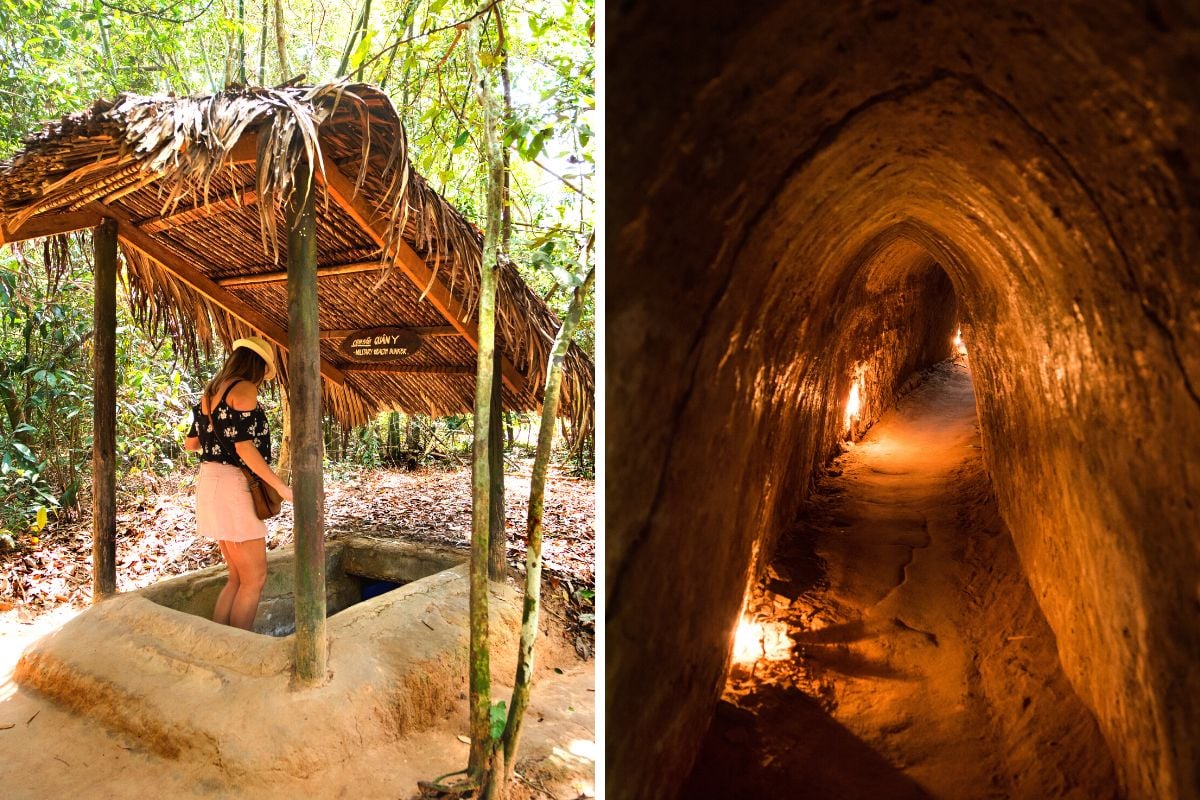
pixel 224 398
pixel 228 389
pixel 217 428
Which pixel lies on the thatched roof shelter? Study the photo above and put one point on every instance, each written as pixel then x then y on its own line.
pixel 197 186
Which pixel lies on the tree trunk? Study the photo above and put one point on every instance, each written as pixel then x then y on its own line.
pixel 359 29
pixel 482 745
pixel 533 551
pixel 498 544
pixel 285 71
pixel 506 83
pixel 14 408
pixel 262 48
pixel 242 42
pixel 404 23
pixel 285 437
pixel 392 440
pixel 106 48
pixel 497 534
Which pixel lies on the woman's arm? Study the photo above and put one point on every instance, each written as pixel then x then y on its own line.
pixel 192 440
pixel 244 397
pixel 259 466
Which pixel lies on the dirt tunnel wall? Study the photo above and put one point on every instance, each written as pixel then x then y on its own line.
pixel 781 188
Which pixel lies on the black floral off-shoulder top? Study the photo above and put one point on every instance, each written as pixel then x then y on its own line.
pixel 227 426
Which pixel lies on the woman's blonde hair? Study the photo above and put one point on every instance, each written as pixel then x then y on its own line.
pixel 242 363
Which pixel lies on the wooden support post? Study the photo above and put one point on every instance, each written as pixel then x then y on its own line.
pixel 304 373
pixel 104 410
pixel 497 535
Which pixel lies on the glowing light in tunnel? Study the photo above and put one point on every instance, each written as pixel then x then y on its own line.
pixel 853 405
pixel 959 347
pixel 766 640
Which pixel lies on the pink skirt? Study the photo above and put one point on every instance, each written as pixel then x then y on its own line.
pixel 224 509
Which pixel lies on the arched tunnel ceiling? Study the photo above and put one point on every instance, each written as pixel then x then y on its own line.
pixel 799 179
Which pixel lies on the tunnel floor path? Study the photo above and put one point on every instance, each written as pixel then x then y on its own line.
pixel 920 665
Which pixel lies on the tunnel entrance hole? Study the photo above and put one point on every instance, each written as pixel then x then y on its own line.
pixel 357 570
pixel 152 665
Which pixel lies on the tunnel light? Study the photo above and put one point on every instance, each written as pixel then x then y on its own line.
pixel 766 640
pixel 959 347
pixel 853 405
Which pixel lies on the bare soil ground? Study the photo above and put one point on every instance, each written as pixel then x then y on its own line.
pixel 46 751
pixel 920 665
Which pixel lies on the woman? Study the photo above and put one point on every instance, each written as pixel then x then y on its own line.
pixel 230 431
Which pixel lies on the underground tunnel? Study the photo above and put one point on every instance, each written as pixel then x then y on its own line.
pixel 818 202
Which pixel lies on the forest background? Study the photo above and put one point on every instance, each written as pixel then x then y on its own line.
pixel 58 57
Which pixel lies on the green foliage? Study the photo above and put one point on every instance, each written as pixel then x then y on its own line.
pixel 392 438
pixel 498 716
pixel 154 398
pixel 45 388
pixel 44 326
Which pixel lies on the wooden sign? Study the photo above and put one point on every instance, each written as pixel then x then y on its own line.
pixel 381 344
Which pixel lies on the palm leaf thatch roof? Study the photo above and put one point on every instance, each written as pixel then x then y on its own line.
pixel 198 188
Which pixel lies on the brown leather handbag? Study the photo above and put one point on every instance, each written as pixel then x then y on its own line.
pixel 267 501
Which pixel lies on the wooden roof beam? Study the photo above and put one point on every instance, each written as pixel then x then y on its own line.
pixel 341 191
pixel 131 187
pixel 241 199
pixel 183 268
pixel 280 276
pixel 50 225
pixel 431 332
pixel 413 369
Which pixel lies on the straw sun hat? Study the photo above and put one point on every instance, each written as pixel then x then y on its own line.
pixel 260 346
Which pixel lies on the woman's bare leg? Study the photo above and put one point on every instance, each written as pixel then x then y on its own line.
pixel 251 558
pixel 225 599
